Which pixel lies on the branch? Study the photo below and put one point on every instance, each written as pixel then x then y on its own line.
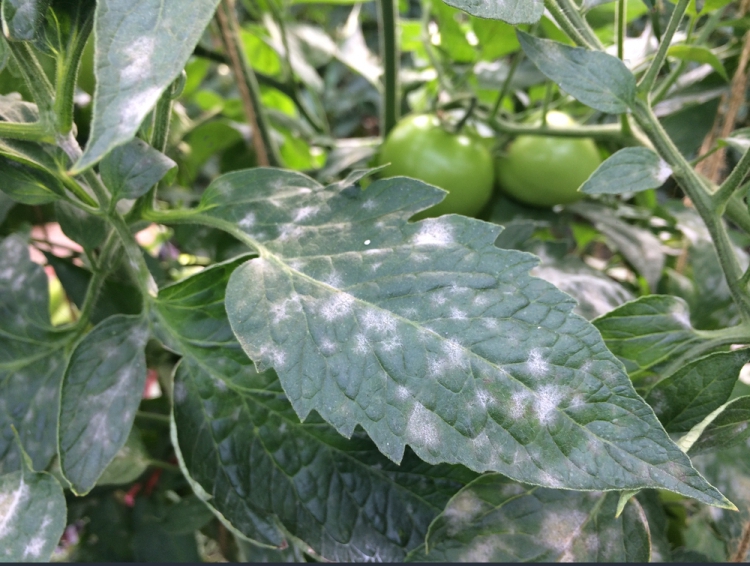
pixel 648 80
pixel 387 14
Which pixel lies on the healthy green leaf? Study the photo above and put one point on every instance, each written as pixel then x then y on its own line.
pixel 595 78
pixel 256 464
pixel 22 19
pixel 6 203
pixel 426 334
pixel 699 54
pixel 494 520
pixel 129 462
pixel 101 391
pixel 32 516
pixel 630 170
pixel 510 11
pixel 686 397
pixel 728 429
pixel 28 185
pixel 14 109
pixel 80 226
pixel 32 359
pixel 653 336
pixel 141 48
pixel 129 171
pixel 739 140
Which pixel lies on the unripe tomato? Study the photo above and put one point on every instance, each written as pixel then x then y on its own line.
pixel 547 170
pixel 421 148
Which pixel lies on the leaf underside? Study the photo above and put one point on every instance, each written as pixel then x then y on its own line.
pixel 510 11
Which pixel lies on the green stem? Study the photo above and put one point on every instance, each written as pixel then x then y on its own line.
pixel 736 211
pixel 713 339
pixel 152 416
pixel 600 132
pixel 67 74
pixel 648 80
pixel 387 16
pixel 467 115
pixel 517 58
pixel 30 131
pixel 162 119
pixel 164 465
pixel 622 25
pixel 39 86
pixel 695 188
pixel 576 18
pixel 547 100
pixel 137 264
pixel 567 26
pixel 732 183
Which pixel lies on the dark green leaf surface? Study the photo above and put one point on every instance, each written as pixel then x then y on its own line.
pixel 141 47
pixel 494 520
pixel 80 226
pixel 730 428
pixel 22 19
pixel 426 334
pixel 32 359
pixel 14 109
pixel 6 203
pixel 32 516
pixel 244 446
pixel 686 397
pixel 595 78
pixel 630 170
pixel 101 390
pixel 28 185
pixel 132 169
pixel 510 11
pixel 651 334
pixel 129 462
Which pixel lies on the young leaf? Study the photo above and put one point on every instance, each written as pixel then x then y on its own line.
pixel 22 19
pixel 494 520
pixel 32 516
pixel 101 391
pixel 262 466
pixel 32 359
pixel 686 397
pixel 132 169
pixel 427 334
pixel 699 54
pixel 728 429
pixel 141 47
pixel 595 78
pixel 510 11
pixel 80 226
pixel 652 334
pixel 630 170
pixel 28 185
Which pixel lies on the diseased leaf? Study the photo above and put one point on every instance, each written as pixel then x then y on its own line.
pixel 32 359
pixel 14 109
pixel 141 48
pixel 80 226
pixel 494 520
pixel 426 334
pixel 510 11
pixel 32 516
pixel 22 19
pixel 630 170
pixel 686 397
pixel 28 185
pixel 101 391
pixel 129 171
pixel 653 336
pixel 699 54
pixel 595 78
pixel 257 465
pixel 728 429
pixel 129 462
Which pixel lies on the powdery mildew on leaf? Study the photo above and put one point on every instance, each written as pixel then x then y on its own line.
pixel 355 337
pixel 510 11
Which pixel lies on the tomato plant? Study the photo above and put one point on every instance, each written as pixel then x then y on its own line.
pixel 545 171
pixel 421 147
pixel 221 340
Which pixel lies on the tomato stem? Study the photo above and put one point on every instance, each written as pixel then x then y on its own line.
pixel 388 15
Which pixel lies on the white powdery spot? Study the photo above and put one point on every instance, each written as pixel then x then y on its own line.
pixel 337 306
pixel 290 232
pixel 248 221
pixel 362 346
pixel 586 367
pixel 421 428
pixel 481 300
pixel 663 171
pixel 9 504
pixel 305 212
pixel 483 397
pixel 139 66
pixel 391 344
pixel 333 280
pixel 536 363
pixel 34 548
pixel 462 511
pixel 6 274
pixel 369 204
pixel 454 352
pixel 401 393
pixel 136 108
pixel 378 321
pixel 518 404
pixel 375 266
pixel 457 314
pixel 434 233
pixel 491 324
pixel 560 528
pixel 328 346
pixel 682 318
pixel 546 403
pixel 438 299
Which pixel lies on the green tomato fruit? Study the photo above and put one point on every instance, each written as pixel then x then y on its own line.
pixel 419 147
pixel 545 170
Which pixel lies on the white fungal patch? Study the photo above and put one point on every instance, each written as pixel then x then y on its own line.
pixel 304 213
pixel 6 274
pixel 333 280
pixel 518 402
pixel 491 324
pixel 536 363
pixel 391 344
pixel 587 366
pixel 433 233
pixel 34 548
pixel 138 58
pixel 663 171
pixel 361 345
pixel 375 266
pixel 438 299
pixel 457 314
pixel 546 402
pixel 369 204
pixel 483 398
pixel 401 393
pixel 421 428
pixel 290 232
pixel 9 505
pixel 248 221
pixel 481 300
pixel 337 306
pixel 378 321
pixel 454 352
pixel 279 312
pixel 327 346
pixel 180 392
pixel 462 511
pixel 560 528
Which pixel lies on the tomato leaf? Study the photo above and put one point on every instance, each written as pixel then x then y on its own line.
pixel 509 11
pixel 595 78
pixel 699 54
pixel 129 171
pixel 426 334
pixel 101 391
pixel 32 516
pixel 730 428
pixel 494 520
pixel 686 397
pixel 141 47
pixel 32 359
pixel 80 226
pixel 630 170
pixel 22 19
pixel 297 473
